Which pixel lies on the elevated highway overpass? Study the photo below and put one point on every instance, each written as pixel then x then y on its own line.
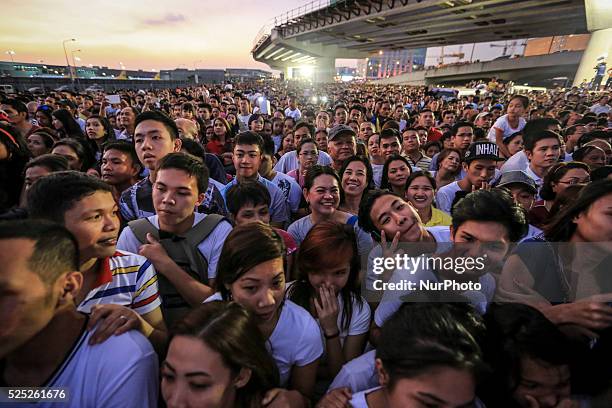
pixel 525 69
pixel 312 36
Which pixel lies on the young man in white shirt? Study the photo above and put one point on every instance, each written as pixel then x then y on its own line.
pixel 480 163
pixel 542 151
pixel 293 111
pixel 179 188
pixel 45 341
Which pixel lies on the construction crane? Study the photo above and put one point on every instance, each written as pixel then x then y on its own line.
pixel 459 55
pixel 507 47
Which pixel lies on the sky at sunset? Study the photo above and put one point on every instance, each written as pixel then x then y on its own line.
pixel 149 35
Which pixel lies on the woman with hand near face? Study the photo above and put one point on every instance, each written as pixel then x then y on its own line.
pixel 328 287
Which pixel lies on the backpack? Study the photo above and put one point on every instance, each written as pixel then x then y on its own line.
pixel 183 250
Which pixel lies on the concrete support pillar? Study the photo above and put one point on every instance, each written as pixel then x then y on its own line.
pixel 325 70
pixel 600 45
pixel 599 23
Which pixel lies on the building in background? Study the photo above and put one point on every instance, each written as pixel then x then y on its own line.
pixel 209 76
pixel 246 74
pixel 389 63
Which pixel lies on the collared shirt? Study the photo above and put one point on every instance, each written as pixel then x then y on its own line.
pixel 137 201
pixel 423 163
pixel 124 279
pixel 538 180
pixel 279 207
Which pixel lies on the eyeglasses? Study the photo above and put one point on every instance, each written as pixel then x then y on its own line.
pixel 574 181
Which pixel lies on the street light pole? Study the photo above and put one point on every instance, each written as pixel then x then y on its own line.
pixel 11 53
pixel 68 62
pixel 195 72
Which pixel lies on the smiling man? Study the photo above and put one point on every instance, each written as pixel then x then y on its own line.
pixel 485 224
pixel 341 145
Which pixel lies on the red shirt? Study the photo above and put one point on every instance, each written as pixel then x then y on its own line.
pixel 214 147
pixel 433 134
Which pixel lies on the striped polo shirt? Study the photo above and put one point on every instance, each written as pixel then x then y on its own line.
pixel 125 279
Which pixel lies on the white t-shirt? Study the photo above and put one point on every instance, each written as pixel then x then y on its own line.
pixel 597 108
pixel 298 230
pixel 502 124
pixel 518 161
pixel 289 161
pixel 446 195
pixel 532 232
pixel 359 322
pixel 358 374
pixel 120 372
pixel 441 235
pixel 290 188
pixel 244 119
pixel 391 300
pixel 359 399
pixel 377 171
pixel 294 341
pixel 295 114
pixel 210 248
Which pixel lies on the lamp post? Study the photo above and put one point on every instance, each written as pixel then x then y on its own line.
pixel 68 62
pixel 74 59
pixel 195 72
pixel 11 53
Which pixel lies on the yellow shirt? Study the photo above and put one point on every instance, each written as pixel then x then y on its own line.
pixel 438 218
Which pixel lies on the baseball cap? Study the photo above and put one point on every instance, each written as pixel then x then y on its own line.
pixel 340 130
pixel 517 177
pixel 483 114
pixel 498 106
pixel 482 150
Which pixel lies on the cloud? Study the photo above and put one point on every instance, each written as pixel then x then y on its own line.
pixel 168 19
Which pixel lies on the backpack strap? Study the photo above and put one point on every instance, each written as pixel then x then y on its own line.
pixel 194 237
pixel 202 229
pixel 141 227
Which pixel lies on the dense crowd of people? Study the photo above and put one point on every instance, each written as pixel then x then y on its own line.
pixel 239 245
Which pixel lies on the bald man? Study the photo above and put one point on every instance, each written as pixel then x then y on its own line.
pixel 188 129
pixel 32 106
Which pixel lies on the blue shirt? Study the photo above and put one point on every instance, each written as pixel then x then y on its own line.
pixel 279 208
